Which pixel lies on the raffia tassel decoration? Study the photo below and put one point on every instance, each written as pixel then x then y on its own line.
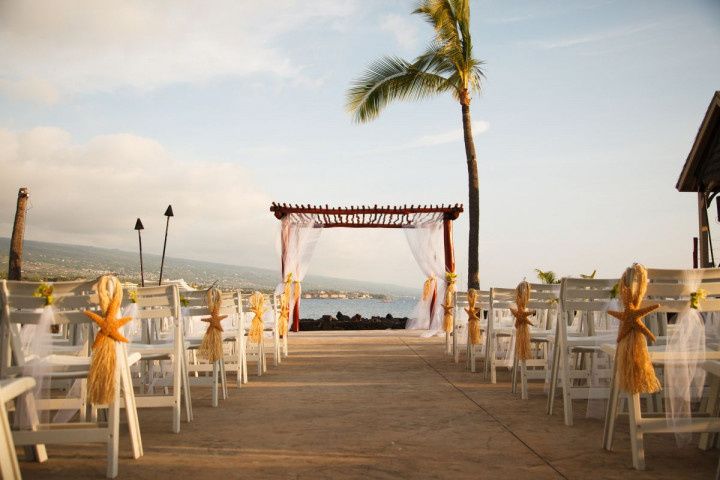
pixel 284 316
pixel 429 288
pixel 449 305
pixel 634 368
pixel 101 377
pixel 257 305
pixel 522 321
pixel 473 317
pixel 211 347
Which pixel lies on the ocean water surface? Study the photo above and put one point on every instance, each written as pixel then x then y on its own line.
pixel 366 307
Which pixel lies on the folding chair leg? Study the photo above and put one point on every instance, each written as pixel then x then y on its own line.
pixel 523 380
pixel 486 366
pixel 215 385
pixel 38 452
pixel 493 369
pixel 244 365
pixel 223 379
pixel 636 436
pixel 513 376
pixel 177 385
pixel 113 441
pixel 131 408
pixel 553 377
pixel 276 354
pixel 566 388
pixel 611 413
pixel 473 358
pixel 456 347
pixel 711 407
pixel 264 357
pixel 186 394
pixel 9 468
pixel 83 399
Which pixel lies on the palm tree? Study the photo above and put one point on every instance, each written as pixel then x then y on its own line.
pixel 447 65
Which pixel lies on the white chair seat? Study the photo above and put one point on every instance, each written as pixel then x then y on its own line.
pixel 14 387
pixel 151 349
pixel 72 362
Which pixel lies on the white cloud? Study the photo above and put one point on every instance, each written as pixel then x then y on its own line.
pixel 402 27
pixel 478 127
pixel 592 37
pixel 67 47
pixel 34 90
pixel 91 193
pixel 432 140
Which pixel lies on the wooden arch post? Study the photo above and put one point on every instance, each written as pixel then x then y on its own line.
pixel 448 243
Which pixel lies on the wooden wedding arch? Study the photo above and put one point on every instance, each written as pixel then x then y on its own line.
pixel 370 217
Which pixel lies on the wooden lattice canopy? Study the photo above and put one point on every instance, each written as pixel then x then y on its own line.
pixel 367 217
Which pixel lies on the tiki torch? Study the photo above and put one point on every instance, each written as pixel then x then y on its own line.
pixel 139 227
pixel 168 214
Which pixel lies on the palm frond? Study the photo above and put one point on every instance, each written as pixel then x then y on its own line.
pixel 547 277
pixel 446 66
pixel 440 14
pixel 387 79
pixel 589 277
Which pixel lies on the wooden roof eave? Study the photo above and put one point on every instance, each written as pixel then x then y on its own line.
pixel 709 129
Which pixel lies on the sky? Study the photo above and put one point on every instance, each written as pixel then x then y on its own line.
pixel 111 110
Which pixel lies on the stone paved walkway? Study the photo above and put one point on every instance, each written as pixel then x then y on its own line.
pixel 374 405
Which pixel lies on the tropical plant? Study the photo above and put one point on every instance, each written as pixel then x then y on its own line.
pixel 547 277
pixel 589 277
pixel 447 66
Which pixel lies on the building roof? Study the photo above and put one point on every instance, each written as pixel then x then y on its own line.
pixel 701 171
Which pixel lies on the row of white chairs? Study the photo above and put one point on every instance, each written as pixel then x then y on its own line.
pixel 574 342
pixel 155 370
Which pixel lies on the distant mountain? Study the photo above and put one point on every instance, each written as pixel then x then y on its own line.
pixel 54 261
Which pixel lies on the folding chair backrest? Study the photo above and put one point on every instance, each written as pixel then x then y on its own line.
pixel 671 290
pixel 589 297
pixel 543 298
pixel 231 306
pixel 20 306
pixel 483 301
pixel 155 304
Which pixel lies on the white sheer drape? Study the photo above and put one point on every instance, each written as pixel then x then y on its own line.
pixel 426 245
pixel 298 238
pixel 684 375
pixel 37 347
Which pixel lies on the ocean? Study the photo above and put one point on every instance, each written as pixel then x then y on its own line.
pixel 366 307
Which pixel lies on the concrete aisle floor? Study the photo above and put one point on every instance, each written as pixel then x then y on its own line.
pixel 376 405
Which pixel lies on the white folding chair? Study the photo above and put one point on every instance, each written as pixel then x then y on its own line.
pixel 232 336
pixel 282 340
pixel 20 307
pixel 460 328
pixel 576 354
pixel 9 390
pixel 671 290
pixel 253 351
pixel 159 314
pixel 500 328
pixel 544 300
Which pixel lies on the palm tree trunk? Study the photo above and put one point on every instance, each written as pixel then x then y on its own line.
pixel 473 278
